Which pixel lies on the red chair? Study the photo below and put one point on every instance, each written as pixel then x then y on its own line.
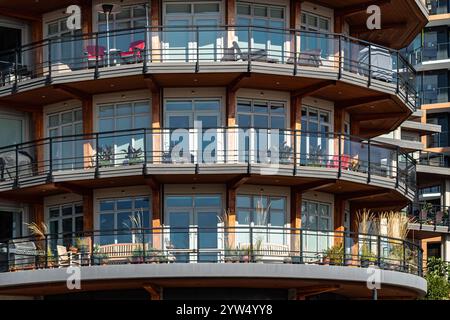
pixel 134 53
pixel 92 52
pixel 345 162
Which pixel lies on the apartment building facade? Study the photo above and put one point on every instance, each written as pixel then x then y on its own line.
pixel 172 149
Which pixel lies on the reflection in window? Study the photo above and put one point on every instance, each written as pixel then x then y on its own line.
pixel 65 221
pixel 120 216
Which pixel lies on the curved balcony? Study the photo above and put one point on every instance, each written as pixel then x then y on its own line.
pixel 207 152
pixel 166 50
pixel 221 249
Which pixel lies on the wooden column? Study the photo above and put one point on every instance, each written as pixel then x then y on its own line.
pixel 158 240
pixel 155 15
pixel 156 133
pixel 338 128
pixel 339 219
pixel 230 20
pixel 37 213
pixel 295 20
pixel 231 223
pixel 296 218
pixel 296 124
pixel 88 211
pixel 86 19
pixel 231 108
pixel 38 133
pixel 38 53
pixel 231 122
pixel 88 128
pixel 354 127
pixel 354 228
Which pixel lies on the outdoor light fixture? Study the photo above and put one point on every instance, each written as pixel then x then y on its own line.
pixel 107 9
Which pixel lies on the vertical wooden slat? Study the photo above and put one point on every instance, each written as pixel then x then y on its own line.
pixel 156 218
pixel 156 133
pixel 338 128
pixel 231 223
pixel 230 20
pixel 37 54
pixel 88 129
pixel 156 14
pixel 37 213
pixel 86 22
pixel 88 211
pixel 38 126
pixel 339 219
pixel 296 218
pixel 354 228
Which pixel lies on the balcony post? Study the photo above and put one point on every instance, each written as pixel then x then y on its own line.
pixel 16 70
pixel 88 211
pixel 398 72
pixel 38 130
pixel 197 49
pixel 157 231
pixel 397 151
pixel 155 14
pixel 97 149
pixel 369 81
pixel 50 160
pixel 96 73
pixel 369 162
pixel 16 180
pixel 339 219
pixel 38 54
pixel 249 48
pixel 88 128
pixel 296 126
pixel 296 219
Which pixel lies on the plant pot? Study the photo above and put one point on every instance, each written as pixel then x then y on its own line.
pixel 245 259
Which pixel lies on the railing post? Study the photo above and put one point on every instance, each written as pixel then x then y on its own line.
pixel 249 54
pixel 91 245
pixel 46 251
pixel 295 153
pixel 146 42
pixel 97 170
pixel 369 82
pixel 252 258
pixel 197 36
pixel 16 180
pixel 50 160
pixel 404 255
pixel 16 70
pixel 49 76
pixel 8 262
pixel 398 73
pixel 340 155
pixel 96 73
pixel 301 246
pixel 295 53
pixel 340 56
pixel 369 164
pixel 144 167
pixel 420 262
pixel 397 168
pixel 379 251
pixel 143 245
pixel 406 174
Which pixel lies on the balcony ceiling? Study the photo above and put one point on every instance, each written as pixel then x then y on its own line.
pixel 401 20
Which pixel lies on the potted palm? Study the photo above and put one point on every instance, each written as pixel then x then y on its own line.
pixel 334 255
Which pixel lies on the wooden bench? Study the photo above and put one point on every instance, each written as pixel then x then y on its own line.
pixel 268 251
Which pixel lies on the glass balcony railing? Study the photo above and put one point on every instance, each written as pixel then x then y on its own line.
pixel 438 140
pixel 438 6
pixel 433 159
pixel 429 214
pixel 217 244
pixel 138 49
pixel 272 148
pixel 434 95
pixel 431 51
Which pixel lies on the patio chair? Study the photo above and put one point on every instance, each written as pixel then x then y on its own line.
pixel 135 52
pixel 308 58
pixel 65 258
pixel 439 218
pixel 93 53
pixel 346 162
pixel 259 55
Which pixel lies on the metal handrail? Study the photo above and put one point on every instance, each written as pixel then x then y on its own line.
pixel 256 243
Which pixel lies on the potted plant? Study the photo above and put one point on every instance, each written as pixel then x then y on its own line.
pixel 245 254
pixel 367 258
pixel 257 251
pixel 133 155
pixel 105 156
pixel 286 154
pixel 334 255
pixel 98 257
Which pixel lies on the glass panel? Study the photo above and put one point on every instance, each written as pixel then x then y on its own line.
pixel 260 11
pixel 244 106
pixel 67 211
pixel 179 233
pixel 178 106
pixel 179 201
pixel 207 238
pixel 123 109
pixel 53 120
pixel 206 7
pixel 106 205
pixel 106 111
pixel 243 202
pixel 124 204
pixel 178 8
pixel 207 201
pixel 243 9
pixel 277 218
pixel 54 213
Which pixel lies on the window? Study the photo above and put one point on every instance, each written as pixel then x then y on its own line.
pixel 318 39
pixel 261 210
pixel 118 216
pixel 129 17
pixel 120 144
pixel 67 153
pixel 65 221
pixel 261 114
pixel 262 18
pixel 67 46
pixel 11 130
pixel 316 142
pixel 316 223
pixel 266 213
